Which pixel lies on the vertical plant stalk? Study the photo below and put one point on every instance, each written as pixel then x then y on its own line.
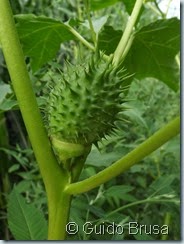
pixel 54 177
pixel 147 147
pixel 167 221
pixel 59 217
pixel 127 33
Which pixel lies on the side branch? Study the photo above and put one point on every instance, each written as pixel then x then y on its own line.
pixel 147 147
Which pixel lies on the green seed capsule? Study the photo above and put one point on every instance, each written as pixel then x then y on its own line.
pixel 84 104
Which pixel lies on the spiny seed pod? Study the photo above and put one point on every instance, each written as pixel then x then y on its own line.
pixel 84 104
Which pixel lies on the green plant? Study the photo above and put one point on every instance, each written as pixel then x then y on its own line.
pixel 72 142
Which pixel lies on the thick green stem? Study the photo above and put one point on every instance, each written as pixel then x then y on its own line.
pixel 27 101
pixel 151 144
pixel 59 214
pixel 54 177
pixel 127 33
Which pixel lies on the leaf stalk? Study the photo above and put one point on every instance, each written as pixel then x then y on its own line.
pixel 127 33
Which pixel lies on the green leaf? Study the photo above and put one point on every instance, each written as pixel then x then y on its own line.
pixel 41 37
pixel 15 155
pixel 109 39
pixel 8 104
pixel 99 212
pixel 13 168
pixel 143 236
pixel 4 90
pixel 129 4
pixel 153 52
pixel 7 100
pixel 98 159
pixel 117 217
pixel 23 186
pixel 77 214
pixel 99 4
pixel 135 115
pixel 97 23
pixel 162 185
pixel 118 191
pixel 25 221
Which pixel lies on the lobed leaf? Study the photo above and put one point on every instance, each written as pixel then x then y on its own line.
pixel 41 37
pixel 153 51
